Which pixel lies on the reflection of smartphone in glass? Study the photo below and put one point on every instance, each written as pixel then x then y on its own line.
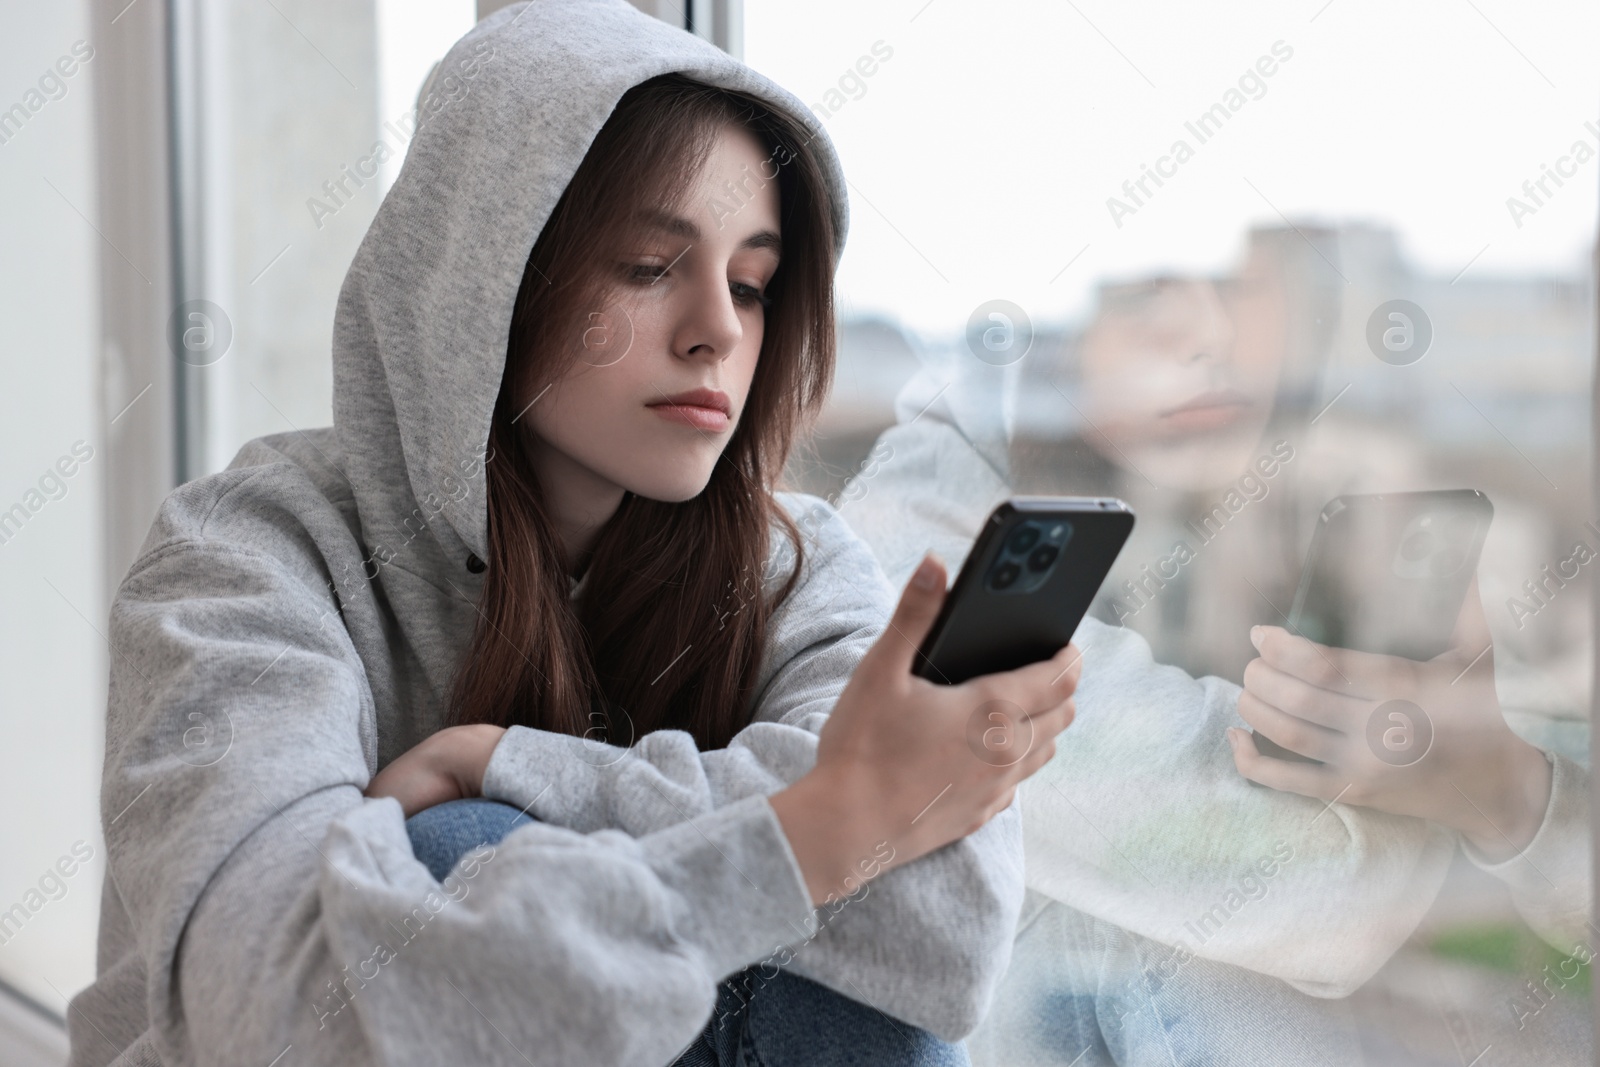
pixel 1387 573
pixel 1031 575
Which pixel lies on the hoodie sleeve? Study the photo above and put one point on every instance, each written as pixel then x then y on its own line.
pixel 1550 879
pixel 926 942
pixel 275 907
pixel 1141 819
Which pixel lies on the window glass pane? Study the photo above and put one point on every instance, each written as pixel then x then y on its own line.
pixel 304 113
pixel 1231 264
pixel 54 422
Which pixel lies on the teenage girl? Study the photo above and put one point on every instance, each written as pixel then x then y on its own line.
pixel 516 718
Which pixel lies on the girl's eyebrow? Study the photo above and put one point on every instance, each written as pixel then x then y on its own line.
pixel 764 239
pixel 682 227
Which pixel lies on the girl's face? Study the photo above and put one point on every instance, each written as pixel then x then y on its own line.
pixel 1180 375
pixel 686 317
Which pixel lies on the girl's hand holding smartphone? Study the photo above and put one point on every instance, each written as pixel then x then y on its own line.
pixel 1423 738
pixel 960 699
pixel 894 761
pixel 1404 717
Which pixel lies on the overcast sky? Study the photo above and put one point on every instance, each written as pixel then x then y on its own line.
pixel 983 151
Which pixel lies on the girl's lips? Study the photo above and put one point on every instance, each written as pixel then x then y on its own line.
pixel 701 418
pixel 1208 410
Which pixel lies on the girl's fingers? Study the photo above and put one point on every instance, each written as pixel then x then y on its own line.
pixel 1282 775
pixel 1294 734
pixel 1362 675
pixel 1050 722
pixel 1471 634
pixel 1070 659
pixel 1303 700
pixel 1042 752
pixel 1044 684
pixel 894 654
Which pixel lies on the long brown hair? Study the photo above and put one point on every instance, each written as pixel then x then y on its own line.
pixel 669 629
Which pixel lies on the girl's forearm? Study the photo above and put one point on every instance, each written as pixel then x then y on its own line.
pixel 832 830
pixel 1503 822
pixel 447 765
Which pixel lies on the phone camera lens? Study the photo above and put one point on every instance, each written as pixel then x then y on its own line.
pixel 1042 557
pixel 1025 538
pixel 1006 574
pixel 1417 546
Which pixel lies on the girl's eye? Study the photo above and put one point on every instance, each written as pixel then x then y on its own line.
pixel 743 295
pixel 750 296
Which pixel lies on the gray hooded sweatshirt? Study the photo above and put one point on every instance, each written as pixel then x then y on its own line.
pixel 292 624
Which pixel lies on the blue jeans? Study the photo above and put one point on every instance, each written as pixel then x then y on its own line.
pixel 759 1020
pixel 1081 992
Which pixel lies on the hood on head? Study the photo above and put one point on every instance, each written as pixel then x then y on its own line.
pixel 424 314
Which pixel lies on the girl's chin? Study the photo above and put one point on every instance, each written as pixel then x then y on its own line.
pixel 673 490
pixel 1196 465
pixel 1188 461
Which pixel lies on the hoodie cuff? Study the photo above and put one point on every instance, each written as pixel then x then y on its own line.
pixel 553 777
pixel 742 893
pixel 1552 850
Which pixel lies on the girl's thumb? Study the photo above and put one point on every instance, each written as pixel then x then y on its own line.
pixel 919 605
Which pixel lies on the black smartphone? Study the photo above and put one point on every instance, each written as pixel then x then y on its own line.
pixel 1031 575
pixel 1388 573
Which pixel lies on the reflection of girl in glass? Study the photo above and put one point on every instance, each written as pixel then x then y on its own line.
pixel 1187 397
